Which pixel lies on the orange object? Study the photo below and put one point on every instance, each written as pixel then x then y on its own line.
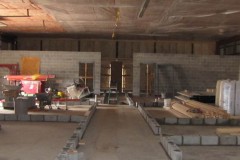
pixel 30 65
pixel 39 77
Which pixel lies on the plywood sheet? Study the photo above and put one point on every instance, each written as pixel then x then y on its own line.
pixel 30 65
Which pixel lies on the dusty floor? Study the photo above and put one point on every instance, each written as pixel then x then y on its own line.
pixel 120 133
pixel 210 152
pixel 159 113
pixel 33 141
pixel 189 130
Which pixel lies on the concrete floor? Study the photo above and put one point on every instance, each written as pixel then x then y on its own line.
pixel 189 130
pixel 158 113
pixel 33 141
pixel 117 133
pixel 211 152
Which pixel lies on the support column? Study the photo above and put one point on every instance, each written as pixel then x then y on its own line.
pixel 136 78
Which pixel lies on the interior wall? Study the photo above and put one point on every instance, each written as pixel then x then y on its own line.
pixel 239 73
pixel 108 49
pixel 190 72
pixel 64 65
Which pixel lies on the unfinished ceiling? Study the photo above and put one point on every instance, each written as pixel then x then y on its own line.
pixel 213 19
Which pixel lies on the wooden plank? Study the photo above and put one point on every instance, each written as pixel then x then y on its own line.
pixel 209 110
pixel 186 111
pixel 177 114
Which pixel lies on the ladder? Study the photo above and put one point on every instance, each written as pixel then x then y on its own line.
pixel 113 94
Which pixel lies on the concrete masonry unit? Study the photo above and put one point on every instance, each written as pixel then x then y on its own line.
pixel 69 151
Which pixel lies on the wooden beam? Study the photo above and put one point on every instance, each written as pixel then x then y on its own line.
pixel 186 111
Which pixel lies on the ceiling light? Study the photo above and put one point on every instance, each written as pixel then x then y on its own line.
pixel 143 8
pixel 205 15
pixel 231 12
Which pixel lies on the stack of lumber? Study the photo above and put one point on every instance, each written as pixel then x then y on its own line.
pixel 186 110
pixel 209 111
pixel 194 109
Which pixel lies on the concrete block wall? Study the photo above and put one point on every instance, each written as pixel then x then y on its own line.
pixel 69 150
pixel 108 49
pixel 204 140
pixel 199 121
pixel 64 65
pixel 191 72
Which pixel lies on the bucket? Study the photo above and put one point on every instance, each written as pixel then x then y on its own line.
pixel 167 102
pixel 21 105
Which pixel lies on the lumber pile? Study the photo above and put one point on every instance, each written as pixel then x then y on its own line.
pixel 209 111
pixel 186 110
pixel 194 109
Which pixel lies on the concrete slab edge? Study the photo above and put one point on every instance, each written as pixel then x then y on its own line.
pixel 199 121
pixel 69 151
pixel 152 123
pixel 171 148
pixel 205 140
pixel 171 143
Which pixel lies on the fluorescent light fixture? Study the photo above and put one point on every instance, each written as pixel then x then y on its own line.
pixel 143 8
pixel 231 12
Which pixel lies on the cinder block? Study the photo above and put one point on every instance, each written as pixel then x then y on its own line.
pixel 170 147
pixel 164 142
pixel 77 118
pixel 62 156
pixel 10 117
pixel 177 155
pixel 171 120
pixel 177 139
pixel 74 141
pixel 209 140
pixel 197 121
pixel 64 118
pixel 82 123
pixel 50 118
pixel 210 121
pixel 222 122
pixel 238 140
pixel 22 117
pixel 175 152
pixel 68 146
pixel 183 121
pixel 2 117
pixel 37 118
pixel 73 154
pixel 234 122
pixel 191 140
pixel 228 140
